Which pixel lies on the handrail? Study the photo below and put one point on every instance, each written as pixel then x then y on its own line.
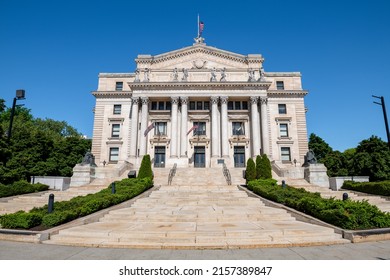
pixel 226 173
pixel 172 173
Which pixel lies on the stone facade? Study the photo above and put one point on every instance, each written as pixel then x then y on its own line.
pixel 197 106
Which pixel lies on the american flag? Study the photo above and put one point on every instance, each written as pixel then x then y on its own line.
pixel 195 127
pixel 201 27
pixel 149 128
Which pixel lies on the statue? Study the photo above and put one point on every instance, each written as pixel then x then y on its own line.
pixel 146 75
pixel 310 158
pixel 223 75
pixel 262 74
pixel 213 75
pixel 89 159
pixel 175 75
pixel 137 80
pixel 185 75
pixel 251 75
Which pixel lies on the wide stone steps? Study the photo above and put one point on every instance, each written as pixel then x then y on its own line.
pixel 195 217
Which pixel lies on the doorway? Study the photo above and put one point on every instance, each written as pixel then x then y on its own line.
pixel 159 156
pixel 239 156
pixel 199 157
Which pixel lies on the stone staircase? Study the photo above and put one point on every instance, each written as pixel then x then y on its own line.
pixel 381 203
pixel 29 201
pixel 199 210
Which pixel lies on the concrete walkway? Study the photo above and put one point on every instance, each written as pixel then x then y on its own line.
pixel 352 251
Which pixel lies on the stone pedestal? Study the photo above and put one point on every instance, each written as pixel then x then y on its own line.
pixel 82 175
pixel 316 174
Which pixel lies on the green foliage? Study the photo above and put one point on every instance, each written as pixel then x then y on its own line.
pixel 38 147
pixel 80 206
pixel 259 168
pixel 145 170
pixel 345 214
pixel 263 167
pixel 378 188
pixel 250 172
pixel 21 187
pixel 319 146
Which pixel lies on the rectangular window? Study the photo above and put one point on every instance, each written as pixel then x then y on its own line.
pixel 230 105
pixel 283 130
pixel 238 128
pixel 282 108
pixel 201 130
pixel 114 154
pixel 206 105
pixel 279 85
pixel 117 109
pixel 285 154
pixel 160 128
pixel 154 105
pixel 161 105
pixel 168 105
pixel 192 105
pixel 244 105
pixel 199 105
pixel 119 86
pixel 237 105
pixel 115 130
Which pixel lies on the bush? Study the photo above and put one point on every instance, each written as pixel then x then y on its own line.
pixel 347 214
pixel 250 173
pixel 145 170
pixel 20 220
pixel 21 187
pixel 259 167
pixel 267 173
pixel 379 188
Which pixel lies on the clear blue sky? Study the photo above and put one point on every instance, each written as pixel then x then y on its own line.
pixel 55 50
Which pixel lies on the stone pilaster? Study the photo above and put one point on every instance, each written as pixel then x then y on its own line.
pixel 184 119
pixel 134 127
pixel 224 127
pixel 214 127
pixel 174 126
pixel 255 126
pixel 144 125
pixel 264 125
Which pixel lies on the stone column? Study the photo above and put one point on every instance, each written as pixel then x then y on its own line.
pixel 264 125
pixel 214 127
pixel 255 126
pixel 134 127
pixel 144 125
pixel 175 101
pixel 224 127
pixel 184 119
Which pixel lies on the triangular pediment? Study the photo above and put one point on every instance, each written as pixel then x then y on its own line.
pixel 199 56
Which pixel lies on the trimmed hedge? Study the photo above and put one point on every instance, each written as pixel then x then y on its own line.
pixel 77 207
pixel 347 214
pixel 379 188
pixel 145 170
pixel 21 187
pixel 250 172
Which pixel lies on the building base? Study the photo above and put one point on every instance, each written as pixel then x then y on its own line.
pixel 316 174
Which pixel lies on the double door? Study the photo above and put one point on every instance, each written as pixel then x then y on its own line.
pixel 199 156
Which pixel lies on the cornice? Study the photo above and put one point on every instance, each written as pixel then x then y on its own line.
pixel 287 93
pixel 116 75
pixel 200 85
pixel 112 94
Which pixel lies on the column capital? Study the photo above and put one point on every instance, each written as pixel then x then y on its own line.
pixel 184 99
pixel 135 100
pixel 175 100
pixel 145 100
pixel 263 100
pixel 253 99
pixel 224 99
pixel 214 99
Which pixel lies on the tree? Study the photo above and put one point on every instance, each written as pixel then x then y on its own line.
pixel 336 163
pixel 319 147
pixel 267 174
pixel 372 158
pixel 145 170
pixel 250 172
pixel 2 105
pixel 259 167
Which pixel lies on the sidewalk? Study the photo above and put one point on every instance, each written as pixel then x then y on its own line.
pixel 352 251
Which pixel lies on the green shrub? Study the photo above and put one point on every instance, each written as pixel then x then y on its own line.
pixel 250 173
pixel 145 170
pixel 58 218
pixel 379 188
pixel 21 187
pixel 259 167
pixel 267 173
pixel 20 220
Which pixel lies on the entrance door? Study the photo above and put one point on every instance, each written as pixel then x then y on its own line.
pixel 159 156
pixel 239 156
pixel 199 157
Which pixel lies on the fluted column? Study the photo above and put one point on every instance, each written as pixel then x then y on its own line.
pixel 184 119
pixel 255 126
pixel 175 101
pixel 214 127
pixel 134 127
pixel 264 125
pixel 144 125
pixel 224 127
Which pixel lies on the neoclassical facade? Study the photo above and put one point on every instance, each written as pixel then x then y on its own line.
pixel 199 106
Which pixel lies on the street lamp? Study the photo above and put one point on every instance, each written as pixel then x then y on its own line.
pixel 382 103
pixel 20 95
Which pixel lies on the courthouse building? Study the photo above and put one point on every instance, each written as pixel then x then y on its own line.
pixel 199 106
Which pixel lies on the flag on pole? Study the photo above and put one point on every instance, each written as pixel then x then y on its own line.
pixel 201 27
pixel 195 127
pixel 148 129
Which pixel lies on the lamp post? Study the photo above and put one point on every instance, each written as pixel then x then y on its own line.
pixel 382 103
pixel 20 95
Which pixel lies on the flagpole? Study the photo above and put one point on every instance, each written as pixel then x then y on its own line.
pixel 198 25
